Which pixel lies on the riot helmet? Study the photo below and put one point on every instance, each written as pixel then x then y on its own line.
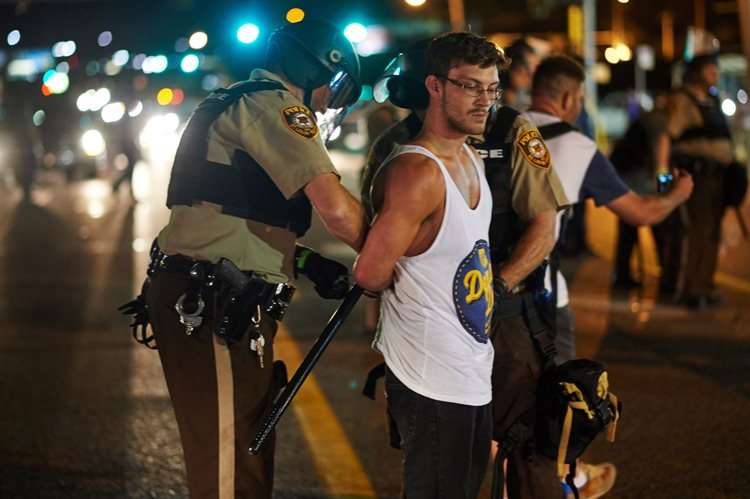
pixel 313 53
pixel 402 82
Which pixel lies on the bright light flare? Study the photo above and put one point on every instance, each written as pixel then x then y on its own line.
pixel 611 55
pixel 142 182
pixel 355 32
pixel 113 112
pixel 295 15
pixel 728 107
pixel 64 49
pixel 136 109
pixel 92 143
pixel 57 83
pixel 190 63
pixel 104 38
pixel 415 3
pixel 164 96
pixel 155 64
pixel 121 57
pixel 159 129
pixel 248 33
pixel 100 99
pixel 13 37
pixel 198 40
pixel 623 52
pixel 84 101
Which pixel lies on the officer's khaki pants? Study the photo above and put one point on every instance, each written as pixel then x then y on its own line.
pixel 219 394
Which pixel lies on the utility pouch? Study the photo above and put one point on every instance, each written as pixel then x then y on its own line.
pixel 238 302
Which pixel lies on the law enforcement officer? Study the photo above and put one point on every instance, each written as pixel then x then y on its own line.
pixel 517 80
pixel 526 197
pixel 698 139
pixel 557 100
pixel 250 167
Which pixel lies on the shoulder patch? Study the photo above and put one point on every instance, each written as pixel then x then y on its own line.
pixel 300 120
pixel 533 147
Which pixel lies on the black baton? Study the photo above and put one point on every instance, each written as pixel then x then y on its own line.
pixel 285 396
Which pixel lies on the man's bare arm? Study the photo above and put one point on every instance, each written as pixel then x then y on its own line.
pixel 648 210
pixel 413 190
pixel 340 212
pixel 532 248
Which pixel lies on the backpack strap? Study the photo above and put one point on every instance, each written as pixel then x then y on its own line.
pixel 570 480
pixel 556 129
pixel 502 121
pixel 539 333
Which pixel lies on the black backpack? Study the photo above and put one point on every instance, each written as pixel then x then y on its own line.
pixel 574 405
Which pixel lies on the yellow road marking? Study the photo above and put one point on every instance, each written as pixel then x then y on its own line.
pixel 335 459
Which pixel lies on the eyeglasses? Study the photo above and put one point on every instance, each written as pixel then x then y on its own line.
pixel 475 90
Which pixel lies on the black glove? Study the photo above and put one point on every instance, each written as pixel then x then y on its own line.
pixel 331 278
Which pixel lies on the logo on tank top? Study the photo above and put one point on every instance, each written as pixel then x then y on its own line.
pixel 472 292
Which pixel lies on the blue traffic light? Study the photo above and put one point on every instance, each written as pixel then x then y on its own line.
pixel 248 33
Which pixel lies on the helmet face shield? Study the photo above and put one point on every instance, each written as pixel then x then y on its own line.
pixel 402 81
pixel 345 90
pixel 328 123
pixel 380 91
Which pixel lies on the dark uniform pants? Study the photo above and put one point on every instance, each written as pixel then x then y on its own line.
pixel 668 237
pixel 704 210
pixel 219 395
pixel 515 377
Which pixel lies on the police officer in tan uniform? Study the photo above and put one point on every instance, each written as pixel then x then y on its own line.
pixel 250 167
pixel 527 195
pixel 698 140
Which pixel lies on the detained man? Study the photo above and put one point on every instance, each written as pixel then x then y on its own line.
pixel 428 252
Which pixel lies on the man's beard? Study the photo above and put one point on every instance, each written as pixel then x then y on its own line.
pixel 463 127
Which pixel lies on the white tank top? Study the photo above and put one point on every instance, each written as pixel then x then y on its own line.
pixel 435 319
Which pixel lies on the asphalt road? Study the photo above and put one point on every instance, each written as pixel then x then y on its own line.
pixel 85 411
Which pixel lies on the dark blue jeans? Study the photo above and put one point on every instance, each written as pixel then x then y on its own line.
pixel 445 446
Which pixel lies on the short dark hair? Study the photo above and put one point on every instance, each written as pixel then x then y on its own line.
pixel 518 52
pixel 453 49
pixel 694 66
pixel 550 75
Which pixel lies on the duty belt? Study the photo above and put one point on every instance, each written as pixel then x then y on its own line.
pixel 271 298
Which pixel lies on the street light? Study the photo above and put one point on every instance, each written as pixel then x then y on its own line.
pixel 190 63
pixel 248 33
pixel 415 3
pixel 295 15
pixel 198 40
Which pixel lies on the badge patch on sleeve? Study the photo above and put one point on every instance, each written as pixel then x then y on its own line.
pixel 533 147
pixel 300 120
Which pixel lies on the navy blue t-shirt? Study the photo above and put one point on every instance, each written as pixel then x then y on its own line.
pixel 601 182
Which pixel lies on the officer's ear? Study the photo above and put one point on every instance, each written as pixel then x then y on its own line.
pixel 566 100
